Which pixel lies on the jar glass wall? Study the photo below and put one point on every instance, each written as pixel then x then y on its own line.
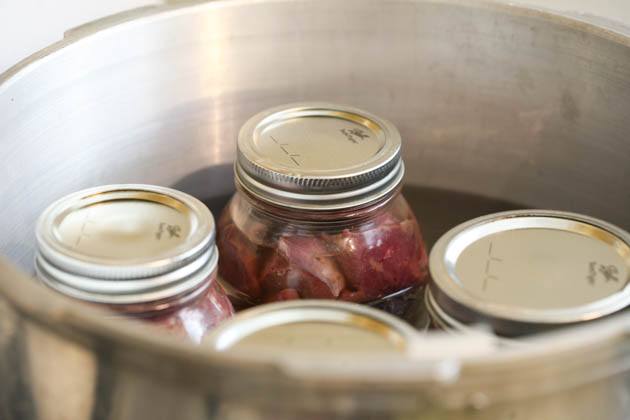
pixel 192 316
pixel 358 255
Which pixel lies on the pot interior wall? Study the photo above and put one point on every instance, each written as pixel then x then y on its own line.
pixel 491 102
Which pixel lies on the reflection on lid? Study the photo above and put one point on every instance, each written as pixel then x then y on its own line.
pixel 124 229
pixel 541 268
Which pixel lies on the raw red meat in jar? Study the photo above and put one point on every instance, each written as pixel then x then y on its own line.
pixel 143 251
pixel 318 212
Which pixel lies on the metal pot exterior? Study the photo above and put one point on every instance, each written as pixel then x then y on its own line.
pixel 492 100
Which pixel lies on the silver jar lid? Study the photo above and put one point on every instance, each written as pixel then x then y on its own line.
pixel 320 326
pixel 531 270
pixel 318 156
pixel 123 244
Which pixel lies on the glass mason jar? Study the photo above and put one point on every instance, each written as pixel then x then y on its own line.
pixel 318 212
pixel 143 251
pixel 523 272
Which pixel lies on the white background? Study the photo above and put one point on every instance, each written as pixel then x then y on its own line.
pixel 29 25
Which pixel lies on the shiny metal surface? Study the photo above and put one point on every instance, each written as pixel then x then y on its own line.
pixel 531 269
pixel 318 156
pixel 491 100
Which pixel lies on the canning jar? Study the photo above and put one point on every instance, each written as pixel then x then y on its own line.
pixel 521 272
pixel 144 251
pixel 318 212
pixel 310 328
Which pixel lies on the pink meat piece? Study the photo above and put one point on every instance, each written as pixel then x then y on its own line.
pixel 239 260
pixel 280 274
pixel 273 276
pixel 385 258
pixel 284 294
pixel 309 255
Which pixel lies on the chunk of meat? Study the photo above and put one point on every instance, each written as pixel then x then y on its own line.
pixel 289 267
pixel 382 259
pixel 238 260
pixel 284 294
pixel 274 275
pixel 309 254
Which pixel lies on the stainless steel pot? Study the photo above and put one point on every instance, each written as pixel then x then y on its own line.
pixel 497 101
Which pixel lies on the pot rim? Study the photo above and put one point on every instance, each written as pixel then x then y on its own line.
pixel 87 325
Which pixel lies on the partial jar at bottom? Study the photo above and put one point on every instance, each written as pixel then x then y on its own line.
pixel 268 253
